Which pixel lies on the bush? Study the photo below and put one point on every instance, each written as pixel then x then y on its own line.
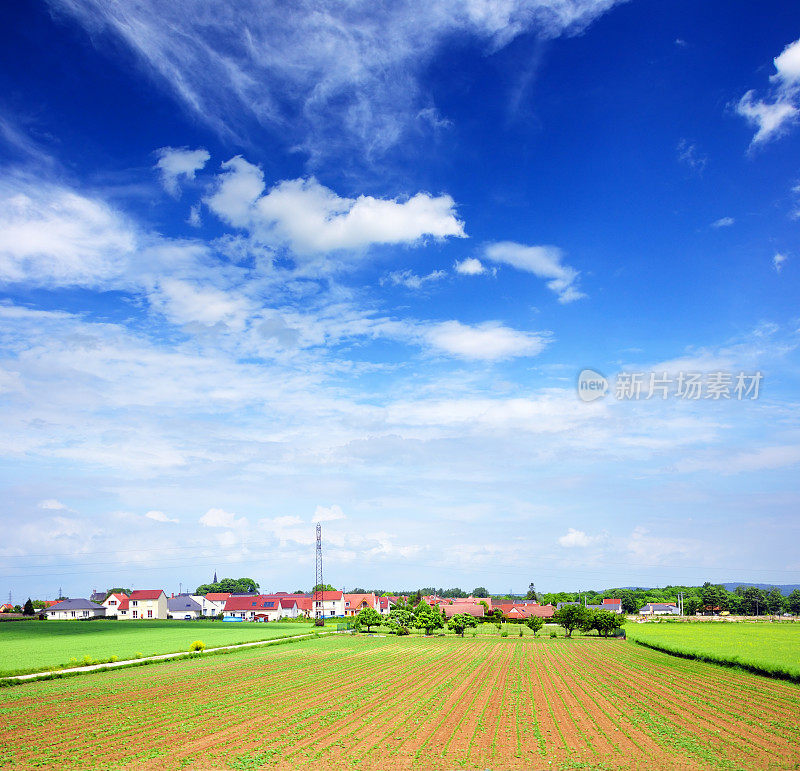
pixel 504 633
pixel 401 631
pixel 520 631
pixel 553 633
pixel 197 645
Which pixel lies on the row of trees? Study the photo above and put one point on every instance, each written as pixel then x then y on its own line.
pixel 232 585
pixel 423 616
pixel 744 600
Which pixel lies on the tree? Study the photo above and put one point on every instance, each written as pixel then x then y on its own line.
pixel 460 622
pixel 325 588
pixel 401 617
pixel 358 590
pixel 368 617
pixel 793 602
pixel 571 617
pixel 604 622
pixel 531 594
pixel 480 591
pixel 754 601
pixel 775 601
pixel 425 617
pixel 629 603
pixel 230 585
pixel 534 623
pixel 28 609
pixel 691 605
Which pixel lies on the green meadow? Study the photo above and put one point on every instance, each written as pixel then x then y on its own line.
pixel 765 648
pixel 32 646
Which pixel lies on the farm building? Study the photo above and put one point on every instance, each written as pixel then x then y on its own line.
pixel 146 603
pixel 70 610
pixel 659 609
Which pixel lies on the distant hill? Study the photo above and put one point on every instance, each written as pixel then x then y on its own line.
pixel 785 589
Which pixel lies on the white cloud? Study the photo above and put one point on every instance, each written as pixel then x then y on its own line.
pixel 411 280
pixel 777 261
pixel 489 341
pixel 221 518
pixel 176 162
pixel 311 219
pixel 771 120
pixel 183 302
pixel 774 115
pixel 328 513
pixel 469 266
pixel 159 516
pixel 543 261
pixel 52 504
pixel 723 222
pixel 576 538
pixel 328 75
pixel 787 66
pixel 55 237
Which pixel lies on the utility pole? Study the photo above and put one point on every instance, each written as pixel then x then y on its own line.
pixel 319 595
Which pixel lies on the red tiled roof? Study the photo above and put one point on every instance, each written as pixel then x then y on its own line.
pixel 470 608
pixel 217 596
pixel 146 594
pixel 255 602
pixel 124 604
pixel 355 600
pixel 305 603
pixel 612 602
pixel 330 596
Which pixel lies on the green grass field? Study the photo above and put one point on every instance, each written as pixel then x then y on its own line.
pixel 31 646
pixel 770 649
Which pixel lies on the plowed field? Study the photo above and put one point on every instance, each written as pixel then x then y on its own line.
pixel 388 703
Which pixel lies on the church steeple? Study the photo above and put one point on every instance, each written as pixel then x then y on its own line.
pixel 215 576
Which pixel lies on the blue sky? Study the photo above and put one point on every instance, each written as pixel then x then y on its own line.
pixel 260 269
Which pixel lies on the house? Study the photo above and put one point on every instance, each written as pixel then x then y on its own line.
pixel 146 604
pixel 385 605
pixel 183 607
pixel 112 603
pixel 98 597
pixel 213 603
pixel 6 607
pixel 331 605
pixel 71 610
pixel 660 609
pixel 469 608
pixel 615 606
pixel 246 608
pixel 355 603
pixel 124 608
pixel 529 609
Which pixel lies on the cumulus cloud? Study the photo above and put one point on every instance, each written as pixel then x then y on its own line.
pixel 159 516
pixel 576 538
pixel 52 504
pixel 723 222
pixel 774 115
pixel 312 219
pixel 176 162
pixel 221 518
pixel 543 261
pixel 328 75
pixel 777 261
pixel 411 280
pixel 469 266
pixel 327 513
pixel 489 341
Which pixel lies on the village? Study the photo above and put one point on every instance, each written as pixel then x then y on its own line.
pixel 328 604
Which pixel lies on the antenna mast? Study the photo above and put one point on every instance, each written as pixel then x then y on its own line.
pixel 319 595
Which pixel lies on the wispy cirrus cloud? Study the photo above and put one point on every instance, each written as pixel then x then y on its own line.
pixel 330 75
